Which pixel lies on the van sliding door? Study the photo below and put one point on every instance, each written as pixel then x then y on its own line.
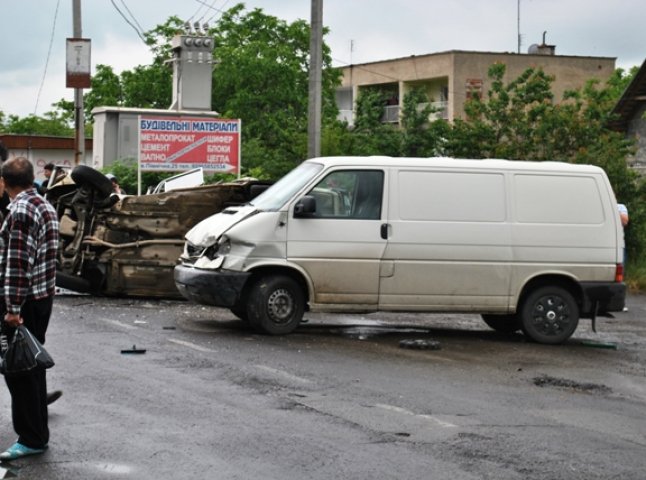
pixel 448 242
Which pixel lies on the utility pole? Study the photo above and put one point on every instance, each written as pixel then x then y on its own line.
pixel 79 116
pixel 315 81
pixel 518 23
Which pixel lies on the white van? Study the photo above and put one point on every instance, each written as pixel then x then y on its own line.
pixel 529 245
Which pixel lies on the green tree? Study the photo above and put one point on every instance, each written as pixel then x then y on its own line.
pixel 371 136
pixel 106 90
pixel 53 123
pixel 262 77
pixel 420 136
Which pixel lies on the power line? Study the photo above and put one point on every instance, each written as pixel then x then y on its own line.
pixel 216 10
pixel 128 21
pixel 210 7
pixel 131 15
pixel 199 9
pixel 49 51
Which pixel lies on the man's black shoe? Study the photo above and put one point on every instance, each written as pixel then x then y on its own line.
pixel 53 396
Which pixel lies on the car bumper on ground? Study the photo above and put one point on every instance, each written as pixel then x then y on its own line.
pixel 221 288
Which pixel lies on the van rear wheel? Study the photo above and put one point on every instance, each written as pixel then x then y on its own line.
pixel 549 315
pixel 502 323
pixel 276 304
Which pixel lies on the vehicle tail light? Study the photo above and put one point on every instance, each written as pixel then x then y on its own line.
pixel 619 273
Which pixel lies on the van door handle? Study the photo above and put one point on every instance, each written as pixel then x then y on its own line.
pixel 384 231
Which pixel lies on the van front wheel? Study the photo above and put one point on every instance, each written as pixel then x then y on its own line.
pixel 549 315
pixel 276 305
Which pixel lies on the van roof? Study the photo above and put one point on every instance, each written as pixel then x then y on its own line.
pixel 446 162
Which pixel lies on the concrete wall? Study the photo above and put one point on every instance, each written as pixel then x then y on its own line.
pixel 40 158
pixel 41 150
pixel 637 130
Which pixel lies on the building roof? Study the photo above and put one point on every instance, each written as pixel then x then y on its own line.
pixel 473 52
pixel 633 97
pixel 40 142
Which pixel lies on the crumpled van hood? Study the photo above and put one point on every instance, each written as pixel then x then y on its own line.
pixel 207 232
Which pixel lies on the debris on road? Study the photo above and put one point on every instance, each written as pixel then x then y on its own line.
pixel 590 343
pixel 420 344
pixel 547 381
pixel 134 349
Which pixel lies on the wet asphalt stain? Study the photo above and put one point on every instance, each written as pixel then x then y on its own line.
pixel 547 381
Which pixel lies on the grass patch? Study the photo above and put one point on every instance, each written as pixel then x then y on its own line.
pixel 636 276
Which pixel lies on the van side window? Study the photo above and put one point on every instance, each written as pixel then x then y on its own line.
pixel 349 194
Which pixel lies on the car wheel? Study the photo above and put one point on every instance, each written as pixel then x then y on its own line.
pixel 502 323
pixel 276 304
pixel 549 315
pixel 84 175
pixel 240 311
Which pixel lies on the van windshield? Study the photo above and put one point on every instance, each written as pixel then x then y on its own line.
pixel 284 189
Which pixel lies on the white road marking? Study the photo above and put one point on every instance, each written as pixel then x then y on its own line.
pixel 120 324
pixel 191 345
pixel 282 373
pixel 431 418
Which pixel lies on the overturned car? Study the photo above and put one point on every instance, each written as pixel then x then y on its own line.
pixel 128 245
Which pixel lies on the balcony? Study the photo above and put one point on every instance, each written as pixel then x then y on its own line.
pixel 440 110
pixel 346 116
pixel 391 114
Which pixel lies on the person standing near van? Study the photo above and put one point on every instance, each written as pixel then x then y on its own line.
pixel 28 245
pixel 625 219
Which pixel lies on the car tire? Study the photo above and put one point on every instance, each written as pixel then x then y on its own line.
pixel 276 305
pixel 84 175
pixel 240 311
pixel 72 282
pixel 549 315
pixel 502 323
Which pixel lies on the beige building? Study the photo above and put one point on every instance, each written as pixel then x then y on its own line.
pixel 449 78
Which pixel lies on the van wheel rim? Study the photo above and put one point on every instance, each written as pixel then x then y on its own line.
pixel 280 306
pixel 551 315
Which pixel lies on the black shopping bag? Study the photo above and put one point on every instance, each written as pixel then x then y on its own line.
pixel 23 353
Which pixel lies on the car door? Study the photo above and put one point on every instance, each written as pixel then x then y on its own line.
pixel 339 246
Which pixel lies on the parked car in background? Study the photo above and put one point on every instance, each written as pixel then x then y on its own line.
pixel 128 245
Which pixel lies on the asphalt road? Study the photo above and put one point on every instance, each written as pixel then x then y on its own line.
pixel 338 399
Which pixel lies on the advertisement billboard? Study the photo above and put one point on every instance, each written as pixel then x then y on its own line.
pixel 184 143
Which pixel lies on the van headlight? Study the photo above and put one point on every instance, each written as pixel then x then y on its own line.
pixel 220 249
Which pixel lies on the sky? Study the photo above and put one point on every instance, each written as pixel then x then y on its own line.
pixel 34 33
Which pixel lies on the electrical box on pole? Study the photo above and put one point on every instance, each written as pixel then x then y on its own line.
pixel 192 72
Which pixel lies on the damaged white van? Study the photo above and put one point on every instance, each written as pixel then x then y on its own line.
pixel 531 246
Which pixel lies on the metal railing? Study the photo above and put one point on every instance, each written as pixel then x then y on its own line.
pixel 440 110
pixel 346 116
pixel 391 114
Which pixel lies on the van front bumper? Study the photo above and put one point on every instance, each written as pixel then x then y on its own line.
pixel 221 288
pixel 601 297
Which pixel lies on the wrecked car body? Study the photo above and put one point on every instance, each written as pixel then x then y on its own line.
pixel 128 245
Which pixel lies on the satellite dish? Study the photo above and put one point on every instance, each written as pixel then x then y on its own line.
pixel 533 49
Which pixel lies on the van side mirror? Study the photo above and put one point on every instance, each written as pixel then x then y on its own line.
pixel 305 207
